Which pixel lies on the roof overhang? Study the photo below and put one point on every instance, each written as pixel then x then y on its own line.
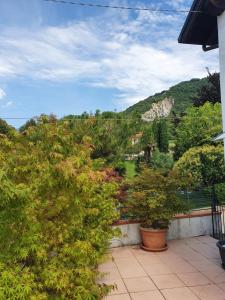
pixel 200 27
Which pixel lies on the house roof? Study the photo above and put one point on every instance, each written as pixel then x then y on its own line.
pixel 201 28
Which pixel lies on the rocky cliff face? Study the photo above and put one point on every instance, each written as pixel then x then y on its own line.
pixel 159 109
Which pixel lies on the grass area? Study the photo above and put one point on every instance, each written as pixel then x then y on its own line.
pixel 130 168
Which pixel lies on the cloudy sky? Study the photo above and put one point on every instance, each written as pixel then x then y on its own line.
pixel 64 59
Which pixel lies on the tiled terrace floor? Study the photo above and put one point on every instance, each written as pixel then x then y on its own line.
pixel 189 270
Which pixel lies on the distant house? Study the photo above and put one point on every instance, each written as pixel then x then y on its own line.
pixel 205 26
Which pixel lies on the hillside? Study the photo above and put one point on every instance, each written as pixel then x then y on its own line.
pixel 182 94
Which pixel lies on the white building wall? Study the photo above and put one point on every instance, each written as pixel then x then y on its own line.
pixel 179 228
pixel 221 31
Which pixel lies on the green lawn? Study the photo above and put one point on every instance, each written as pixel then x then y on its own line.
pixel 130 168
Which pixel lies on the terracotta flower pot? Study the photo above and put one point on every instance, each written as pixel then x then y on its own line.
pixel 153 239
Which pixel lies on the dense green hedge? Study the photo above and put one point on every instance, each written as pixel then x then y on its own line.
pixel 202 172
pixel 56 212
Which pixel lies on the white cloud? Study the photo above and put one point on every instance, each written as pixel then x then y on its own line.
pixel 2 93
pixel 137 56
pixel 7 104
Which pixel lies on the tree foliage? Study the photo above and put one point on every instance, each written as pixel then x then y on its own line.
pixel 198 127
pixel 110 134
pixel 210 92
pixel 28 124
pixel 161 161
pixel 6 129
pixel 153 197
pixel 161 134
pixel 56 212
pixel 204 164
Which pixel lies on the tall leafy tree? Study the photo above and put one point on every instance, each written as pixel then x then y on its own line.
pixel 6 129
pixel 28 124
pixel 148 143
pixel 210 92
pixel 161 133
pixel 198 127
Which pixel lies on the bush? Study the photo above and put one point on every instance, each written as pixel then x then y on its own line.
pixel 153 198
pixel 204 164
pixel 56 215
pixel 198 127
pixel 161 161
pixel 120 168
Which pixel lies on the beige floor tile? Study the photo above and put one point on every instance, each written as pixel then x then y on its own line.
pixel 139 284
pixel 120 287
pixel 193 279
pixel 139 251
pixel 182 267
pixel 191 255
pixel 202 265
pixel 153 295
pixel 167 281
pixel 209 292
pixel 145 260
pixel 215 273
pixel 110 275
pixel 190 270
pixel 118 297
pixel 221 285
pixel 122 252
pixel 216 261
pixel 171 258
pixel 206 239
pixel 129 268
pixel 183 293
pixel 107 266
pixel 168 256
pixel 157 269
pixel 219 278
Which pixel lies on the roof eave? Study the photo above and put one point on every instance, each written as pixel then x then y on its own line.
pixel 201 28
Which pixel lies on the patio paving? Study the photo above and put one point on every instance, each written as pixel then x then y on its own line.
pixel 189 270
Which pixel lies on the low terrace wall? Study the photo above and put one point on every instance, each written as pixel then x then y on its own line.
pixel 196 223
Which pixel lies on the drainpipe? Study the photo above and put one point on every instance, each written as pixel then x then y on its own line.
pixel 221 33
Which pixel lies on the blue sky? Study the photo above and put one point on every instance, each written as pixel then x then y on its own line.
pixel 64 59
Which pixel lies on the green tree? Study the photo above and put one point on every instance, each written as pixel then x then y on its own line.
pixel 198 127
pixel 161 161
pixel 56 215
pixel 6 129
pixel 161 133
pixel 204 164
pixel 209 92
pixel 147 143
pixel 28 124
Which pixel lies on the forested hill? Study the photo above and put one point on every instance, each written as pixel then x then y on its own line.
pixel 182 94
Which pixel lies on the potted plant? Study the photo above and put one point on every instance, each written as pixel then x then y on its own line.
pixel 153 197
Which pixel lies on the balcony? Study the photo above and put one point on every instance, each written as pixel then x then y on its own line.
pixel 189 270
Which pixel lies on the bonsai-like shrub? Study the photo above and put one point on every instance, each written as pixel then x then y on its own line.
pixel 154 198
pixel 56 215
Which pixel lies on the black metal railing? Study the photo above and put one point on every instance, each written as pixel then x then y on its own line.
pixel 218 216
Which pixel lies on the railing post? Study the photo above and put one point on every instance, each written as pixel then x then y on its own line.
pixel 221 33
